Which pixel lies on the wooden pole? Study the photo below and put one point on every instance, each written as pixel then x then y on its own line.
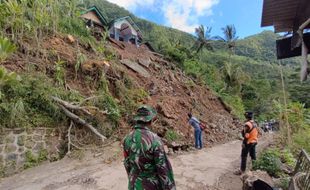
pixel 288 128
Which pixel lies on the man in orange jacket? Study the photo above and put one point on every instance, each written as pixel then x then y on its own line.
pixel 250 137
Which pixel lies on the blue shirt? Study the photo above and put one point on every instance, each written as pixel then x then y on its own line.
pixel 194 122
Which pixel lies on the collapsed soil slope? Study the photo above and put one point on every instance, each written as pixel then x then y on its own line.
pixel 169 89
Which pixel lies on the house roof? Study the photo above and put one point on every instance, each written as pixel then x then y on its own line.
pixel 129 19
pixel 98 13
pixel 285 15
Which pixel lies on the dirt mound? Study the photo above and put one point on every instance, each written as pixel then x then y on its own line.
pixel 169 90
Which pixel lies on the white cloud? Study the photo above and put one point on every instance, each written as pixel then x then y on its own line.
pixel 184 15
pixel 133 4
pixel 180 14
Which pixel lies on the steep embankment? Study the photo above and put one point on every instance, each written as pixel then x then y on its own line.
pixel 163 85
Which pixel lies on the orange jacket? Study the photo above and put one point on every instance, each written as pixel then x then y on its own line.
pixel 251 134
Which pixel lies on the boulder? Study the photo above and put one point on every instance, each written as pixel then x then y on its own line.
pixel 250 177
pixel 71 39
pixel 145 62
pixel 136 67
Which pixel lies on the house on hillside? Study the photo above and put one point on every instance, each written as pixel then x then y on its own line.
pixel 125 29
pixel 95 21
pixel 121 29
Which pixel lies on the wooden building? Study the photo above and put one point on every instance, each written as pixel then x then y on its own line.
pixel 95 21
pixel 293 18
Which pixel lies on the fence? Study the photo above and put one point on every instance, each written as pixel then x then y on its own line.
pixel 301 179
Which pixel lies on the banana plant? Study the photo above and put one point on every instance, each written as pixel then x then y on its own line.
pixel 7 78
pixel 6 48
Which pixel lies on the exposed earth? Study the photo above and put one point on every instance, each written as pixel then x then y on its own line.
pixel 166 86
pixel 206 169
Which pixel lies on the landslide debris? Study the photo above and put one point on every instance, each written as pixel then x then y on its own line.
pixel 155 81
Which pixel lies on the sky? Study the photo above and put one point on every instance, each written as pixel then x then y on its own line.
pixel 186 15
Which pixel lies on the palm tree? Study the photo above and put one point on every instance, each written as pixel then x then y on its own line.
pixel 204 39
pixel 229 38
pixel 234 77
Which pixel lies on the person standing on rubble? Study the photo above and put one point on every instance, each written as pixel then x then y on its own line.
pixel 146 162
pixel 195 123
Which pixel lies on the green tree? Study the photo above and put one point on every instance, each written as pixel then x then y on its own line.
pixel 229 38
pixel 234 77
pixel 203 39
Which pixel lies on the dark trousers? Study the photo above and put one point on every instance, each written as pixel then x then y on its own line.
pixel 247 148
pixel 198 139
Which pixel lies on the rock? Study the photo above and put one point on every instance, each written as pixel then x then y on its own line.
pixel 152 89
pixel 10 148
pixel 29 143
pixel 11 157
pixel 37 137
pixel 144 62
pixel 71 39
pixel 106 63
pixel 10 139
pixel 21 140
pixel 21 149
pixel 38 147
pixel 166 148
pixel 136 67
pixel 250 177
pixel 170 152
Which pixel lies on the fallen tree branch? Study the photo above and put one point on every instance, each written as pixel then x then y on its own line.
pixel 69 105
pixel 69 137
pixel 81 121
pixel 84 109
pixel 87 99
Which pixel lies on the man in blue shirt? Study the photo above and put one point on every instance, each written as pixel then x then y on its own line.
pixel 195 123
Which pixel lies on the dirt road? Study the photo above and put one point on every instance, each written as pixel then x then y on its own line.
pixel 193 170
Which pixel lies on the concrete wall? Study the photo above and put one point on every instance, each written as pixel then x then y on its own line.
pixel 15 143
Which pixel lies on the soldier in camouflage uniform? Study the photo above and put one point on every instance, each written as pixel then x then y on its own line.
pixel 146 162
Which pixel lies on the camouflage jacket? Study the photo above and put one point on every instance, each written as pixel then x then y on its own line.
pixel 146 162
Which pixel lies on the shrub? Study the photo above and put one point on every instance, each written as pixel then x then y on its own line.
pixel 27 102
pixel 288 158
pixel 172 135
pixel 33 160
pixel 6 48
pixel 269 161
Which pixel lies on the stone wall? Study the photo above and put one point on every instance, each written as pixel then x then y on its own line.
pixel 18 145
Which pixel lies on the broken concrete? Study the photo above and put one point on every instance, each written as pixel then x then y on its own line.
pixel 136 67
pixel 145 62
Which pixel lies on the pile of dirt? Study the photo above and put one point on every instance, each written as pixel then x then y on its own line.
pixel 170 91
